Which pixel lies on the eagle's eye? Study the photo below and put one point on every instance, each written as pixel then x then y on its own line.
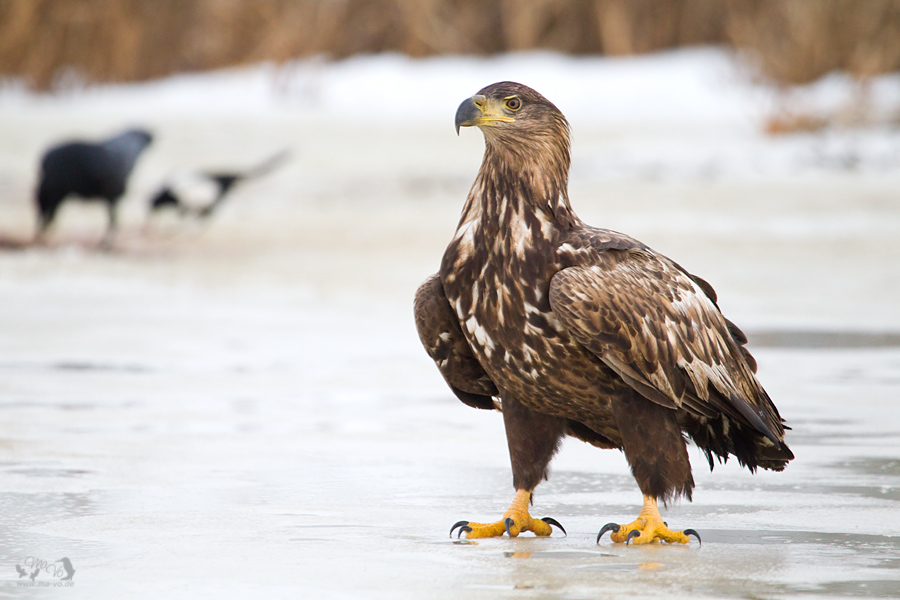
pixel 513 103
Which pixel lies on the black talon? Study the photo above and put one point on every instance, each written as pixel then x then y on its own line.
pixel 666 524
pixel 552 521
pixel 463 528
pixel 691 532
pixel 509 523
pixel 614 527
pixel 632 534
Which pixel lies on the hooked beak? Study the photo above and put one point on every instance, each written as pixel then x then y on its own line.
pixel 469 112
pixel 476 111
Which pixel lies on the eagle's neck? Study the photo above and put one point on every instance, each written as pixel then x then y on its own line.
pixel 503 254
pixel 516 213
pixel 521 183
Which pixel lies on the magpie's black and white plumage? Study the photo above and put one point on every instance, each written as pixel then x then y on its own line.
pixel 579 331
pixel 199 194
pixel 88 171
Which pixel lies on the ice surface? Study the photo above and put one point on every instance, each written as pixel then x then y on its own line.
pixel 241 408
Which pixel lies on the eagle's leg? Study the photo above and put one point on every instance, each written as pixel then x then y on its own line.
pixel 515 520
pixel 647 528
pixel 657 453
pixel 533 439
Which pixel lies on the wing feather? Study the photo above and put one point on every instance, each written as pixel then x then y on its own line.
pixel 660 329
pixel 442 336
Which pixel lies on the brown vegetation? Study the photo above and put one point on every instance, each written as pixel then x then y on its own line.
pixel 47 42
pixel 798 41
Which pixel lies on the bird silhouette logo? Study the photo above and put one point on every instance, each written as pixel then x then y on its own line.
pixel 69 569
pixel 35 574
pixel 22 572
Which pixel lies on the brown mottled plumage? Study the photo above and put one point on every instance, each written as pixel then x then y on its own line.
pixel 582 331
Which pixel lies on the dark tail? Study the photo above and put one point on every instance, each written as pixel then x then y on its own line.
pixel 268 165
pixel 721 437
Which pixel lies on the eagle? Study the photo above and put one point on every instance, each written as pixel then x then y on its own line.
pixel 572 330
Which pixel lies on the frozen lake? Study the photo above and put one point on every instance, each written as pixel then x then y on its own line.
pixel 243 409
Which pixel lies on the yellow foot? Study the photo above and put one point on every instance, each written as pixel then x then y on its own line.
pixel 515 520
pixel 647 528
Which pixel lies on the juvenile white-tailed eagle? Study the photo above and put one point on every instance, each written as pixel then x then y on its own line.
pixel 582 331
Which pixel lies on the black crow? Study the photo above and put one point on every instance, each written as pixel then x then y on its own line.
pixel 90 171
pixel 199 194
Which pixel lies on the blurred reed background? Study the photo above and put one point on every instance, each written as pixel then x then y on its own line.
pixel 52 44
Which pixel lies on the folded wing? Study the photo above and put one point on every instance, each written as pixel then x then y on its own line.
pixel 442 336
pixel 661 331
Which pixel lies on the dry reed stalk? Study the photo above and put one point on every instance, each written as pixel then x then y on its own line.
pixel 639 26
pixel 798 41
pixel 50 43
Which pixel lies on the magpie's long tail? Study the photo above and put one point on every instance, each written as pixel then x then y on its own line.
pixel 268 165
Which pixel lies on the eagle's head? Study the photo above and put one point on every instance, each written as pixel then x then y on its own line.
pixel 523 131
pixel 511 110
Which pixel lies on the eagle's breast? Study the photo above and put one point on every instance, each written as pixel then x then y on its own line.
pixel 496 274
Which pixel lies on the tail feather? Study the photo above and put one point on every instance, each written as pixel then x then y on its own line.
pixel 268 165
pixel 722 437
